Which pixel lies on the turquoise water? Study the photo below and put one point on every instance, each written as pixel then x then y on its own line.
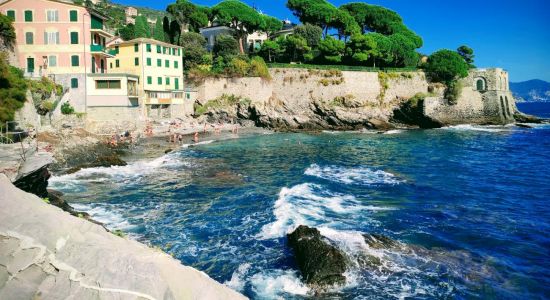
pixel 469 202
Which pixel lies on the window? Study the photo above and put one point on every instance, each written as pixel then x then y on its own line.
pixel 51 38
pixel 167 63
pixel 52 15
pixel 74 83
pixel 30 65
pixel 148 61
pixel 176 84
pixel 149 80
pixel 159 62
pixel 116 49
pixel 110 65
pixel 28 16
pixel 74 38
pixel 73 16
pixel 159 80
pixel 52 61
pixel 158 48
pixel 29 38
pixel 117 63
pixel 148 47
pixel 175 64
pixel 178 52
pixel 11 14
pixel 136 47
pixel 136 61
pixel 188 96
pixel 75 61
pixel 167 80
pixel 107 84
pixel 163 50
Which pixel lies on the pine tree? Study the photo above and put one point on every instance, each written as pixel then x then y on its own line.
pixel 142 28
pixel 158 33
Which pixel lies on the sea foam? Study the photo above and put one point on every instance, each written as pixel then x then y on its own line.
pixel 359 175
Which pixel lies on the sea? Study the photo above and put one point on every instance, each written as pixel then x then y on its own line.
pixel 469 204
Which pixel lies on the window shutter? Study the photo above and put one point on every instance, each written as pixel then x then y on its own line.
pixel 57 38
pixel 73 16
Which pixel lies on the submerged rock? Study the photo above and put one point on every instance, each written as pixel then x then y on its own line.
pixel 378 241
pixel 101 161
pixel 320 263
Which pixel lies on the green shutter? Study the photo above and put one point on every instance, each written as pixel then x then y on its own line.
pixel 149 80
pixel 28 16
pixel 30 64
pixel 148 61
pixel 159 62
pixel 167 80
pixel 177 83
pixel 167 63
pixel 73 16
pixel 117 63
pixel 136 61
pixel 74 61
pixel 74 38
pixel 178 51
pixel 159 80
pixel 175 64
pixel 136 47
pixel 164 50
pixel 74 83
pixel 11 14
pixel 29 38
pixel 158 49
pixel 148 47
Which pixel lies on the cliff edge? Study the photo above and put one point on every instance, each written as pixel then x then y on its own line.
pixel 46 253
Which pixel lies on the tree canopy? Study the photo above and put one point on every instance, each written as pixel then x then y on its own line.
pixel 467 53
pixel 446 66
pixel 186 13
pixel 142 29
pixel 323 14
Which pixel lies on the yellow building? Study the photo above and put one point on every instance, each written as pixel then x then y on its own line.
pixel 158 66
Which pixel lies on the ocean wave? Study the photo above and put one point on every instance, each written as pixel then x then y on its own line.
pixel 185 146
pixel 275 284
pixel 312 205
pixel 394 131
pixel 124 174
pixel 482 128
pixel 110 217
pixel 238 281
pixel 361 176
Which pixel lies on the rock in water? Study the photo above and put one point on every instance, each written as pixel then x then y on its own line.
pixel 378 241
pixel 321 263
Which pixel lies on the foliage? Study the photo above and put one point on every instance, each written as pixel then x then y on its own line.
pixel 221 102
pixel 67 108
pixel 468 54
pixel 361 48
pixel 239 16
pixel 12 90
pixel 258 68
pixel 311 33
pixel 194 50
pixel 271 25
pixel 235 66
pixel 186 13
pixel 296 48
pixel 119 233
pixel 142 29
pixel 225 46
pixel 271 50
pixel 158 32
pixel 127 32
pixel 446 66
pixel 41 91
pixel 453 92
pixel 332 49
pixel 7 32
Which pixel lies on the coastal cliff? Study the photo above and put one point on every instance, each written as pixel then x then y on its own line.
pixel 333 99
pixel 49 254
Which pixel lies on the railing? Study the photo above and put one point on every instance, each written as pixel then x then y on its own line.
pixel 97 48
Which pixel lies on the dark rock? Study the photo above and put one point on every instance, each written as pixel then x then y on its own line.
pixel 168 151
pixel 412 113
pixel 101 161
pixel 523 125
pixel 35 182
pixel 320 263
pixel 524 118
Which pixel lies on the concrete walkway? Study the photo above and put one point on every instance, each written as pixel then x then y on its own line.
pixel 45 253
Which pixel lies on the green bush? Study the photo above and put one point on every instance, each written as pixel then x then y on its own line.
pixel 446 66
pixel 13 88
pixel 67 108
pixel 221 102
pixel 258 68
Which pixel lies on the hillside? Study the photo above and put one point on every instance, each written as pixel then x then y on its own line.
pixel 117 17
pixel 531 91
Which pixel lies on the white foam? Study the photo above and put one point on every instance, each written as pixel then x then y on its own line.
pixel 359 175
pixel 482 128
pixel 394 131
pixel 237 280
pixel 111 218
pixel 274 284
pixel 308 204
pixel 185 146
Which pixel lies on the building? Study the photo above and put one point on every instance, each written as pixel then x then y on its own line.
pixel 210 34
pixel 158 67
pixel 255 40
pixel 131 14
pixel 288 29
pixel 61 40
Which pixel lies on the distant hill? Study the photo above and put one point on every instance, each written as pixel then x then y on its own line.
pixel 531 91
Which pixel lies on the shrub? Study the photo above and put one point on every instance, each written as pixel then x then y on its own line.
pixel 259 68
pixel 446 66
pixel 238 67
pixel 13 89
pixel 67 108
pixel 453 92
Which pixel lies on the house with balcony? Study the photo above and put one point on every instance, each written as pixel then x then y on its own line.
pixel 158 66
pixel 61 40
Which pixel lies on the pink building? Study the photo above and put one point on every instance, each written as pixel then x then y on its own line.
pixel 61 40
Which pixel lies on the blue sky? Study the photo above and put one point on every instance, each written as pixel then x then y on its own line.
pixel 511 34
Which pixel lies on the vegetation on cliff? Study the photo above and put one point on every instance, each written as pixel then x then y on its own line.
pixel 447 67
pixel 13 89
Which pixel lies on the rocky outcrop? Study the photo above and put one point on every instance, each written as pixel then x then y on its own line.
pixel 321 263
pixel 46 253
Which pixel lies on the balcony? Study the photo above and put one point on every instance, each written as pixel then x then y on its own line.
pixel 100 49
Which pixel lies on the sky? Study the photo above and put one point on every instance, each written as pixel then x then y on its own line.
pixel 511 34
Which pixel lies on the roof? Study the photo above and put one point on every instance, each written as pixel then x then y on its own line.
pixel 148 41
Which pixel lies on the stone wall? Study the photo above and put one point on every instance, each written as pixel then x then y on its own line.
pixel 253 88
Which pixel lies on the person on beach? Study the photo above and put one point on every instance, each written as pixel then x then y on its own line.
pixel 196 137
